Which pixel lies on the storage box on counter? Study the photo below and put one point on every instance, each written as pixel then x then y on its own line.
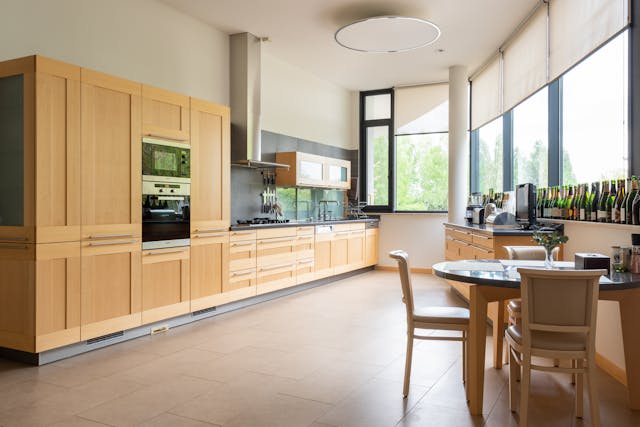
pixel 588 261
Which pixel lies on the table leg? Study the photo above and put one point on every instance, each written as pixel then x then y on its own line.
pixel 630 319
pixel 498 335
pixel 477 341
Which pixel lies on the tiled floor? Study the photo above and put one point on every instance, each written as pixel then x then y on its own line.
pixel 330 356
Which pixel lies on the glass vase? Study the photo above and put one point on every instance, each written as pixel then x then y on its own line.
pixel 548 259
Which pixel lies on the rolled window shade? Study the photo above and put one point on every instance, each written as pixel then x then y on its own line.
pixel 525 60
pixel 577 27
pixel 421 109
pixel 486 94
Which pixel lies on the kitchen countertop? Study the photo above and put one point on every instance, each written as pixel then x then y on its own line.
pixel 490 230
pixel 302 223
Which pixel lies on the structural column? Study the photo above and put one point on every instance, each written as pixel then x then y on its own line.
pixel 458 142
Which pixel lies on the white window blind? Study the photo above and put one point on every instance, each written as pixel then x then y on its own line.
pixel 486 94
pixel 525 60
pixel 577 27
pixel 421 109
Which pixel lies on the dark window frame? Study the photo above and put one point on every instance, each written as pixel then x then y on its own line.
pixel 364 125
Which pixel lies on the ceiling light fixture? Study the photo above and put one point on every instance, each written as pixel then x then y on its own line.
pixel 387 34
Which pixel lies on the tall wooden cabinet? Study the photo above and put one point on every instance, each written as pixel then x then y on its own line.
pixel 165 114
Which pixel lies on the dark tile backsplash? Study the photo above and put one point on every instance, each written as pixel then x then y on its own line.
pixel 246 184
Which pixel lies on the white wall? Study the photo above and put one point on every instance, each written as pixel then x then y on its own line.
pixel 421 235
pixel 299 104
pixel 140 40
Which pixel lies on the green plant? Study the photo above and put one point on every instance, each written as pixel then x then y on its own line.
pixel 549 240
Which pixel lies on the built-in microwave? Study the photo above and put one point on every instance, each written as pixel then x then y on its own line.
pixel 168 159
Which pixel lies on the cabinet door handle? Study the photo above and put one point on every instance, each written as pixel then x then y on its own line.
pixel 481 249
pixel 210 235
pixel 109 236
pixel 209 230
pixel 281 239
pixel 173 251
pixel 15 247
pixel 274 267
pixel 482 237
pixel 305 237
pixel 305 261
pixel 119 242
pixel 172 138
pixel 243 272
pixel 16 239
pixel 242 244
pixel 240 233
pixel 357 233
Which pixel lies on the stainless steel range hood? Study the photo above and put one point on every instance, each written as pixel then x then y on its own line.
pixel 245 71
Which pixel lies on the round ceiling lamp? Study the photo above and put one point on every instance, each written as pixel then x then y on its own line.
pixel 386 34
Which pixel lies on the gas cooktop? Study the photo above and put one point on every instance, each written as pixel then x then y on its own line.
pixel 262 221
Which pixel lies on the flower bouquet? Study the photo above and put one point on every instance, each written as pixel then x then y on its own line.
pixel 549 241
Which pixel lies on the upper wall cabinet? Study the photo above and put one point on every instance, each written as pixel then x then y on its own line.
pixel 210 168
pixel 310 170
pixel 165 114
pixel 111 156
pixel 39 112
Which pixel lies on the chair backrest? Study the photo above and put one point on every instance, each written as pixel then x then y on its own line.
pixel 529 253
pixel 561 301
pixel 405 280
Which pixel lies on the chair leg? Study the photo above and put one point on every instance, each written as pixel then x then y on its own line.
pixel 407 363
pixel 464 357
pixel 573 376
pixel 524 389
pixel 593 392
pixel 579 388
pixel 514 371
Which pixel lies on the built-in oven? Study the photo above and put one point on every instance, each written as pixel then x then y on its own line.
pixel 170 159
pixel 165 213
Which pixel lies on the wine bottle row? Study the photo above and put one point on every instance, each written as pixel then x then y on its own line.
pixel 607 201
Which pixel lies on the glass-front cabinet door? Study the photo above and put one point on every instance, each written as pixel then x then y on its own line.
pixel 339 173
pixel 310 170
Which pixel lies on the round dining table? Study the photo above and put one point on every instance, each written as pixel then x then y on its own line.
pixel 499 280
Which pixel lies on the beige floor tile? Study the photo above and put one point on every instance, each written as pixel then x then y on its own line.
pixel 26 393
pixel 378 403
pixel 170 420
pixel 148 402
pixel 425 415
pixel 279 411
pixel 76 421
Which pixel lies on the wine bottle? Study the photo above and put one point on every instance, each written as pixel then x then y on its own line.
pixel 630 198
pixel 623 205
pixel 595 198
pixel 617 209
pixel 585 206
pixel 602 203
pixel 610 200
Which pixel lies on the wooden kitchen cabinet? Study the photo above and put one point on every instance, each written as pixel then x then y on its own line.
pixel 111 178
pixel 166 283
pixel 356 246
pixel 372 236
pixel 242 260
pixel 340 249
pixel 322 253
pixel 277 258
pixel 210 166
pixel 111 286
pixel 311 170
pixel 305 254
pixel 165 114
pixel 39 113
pixel 209 269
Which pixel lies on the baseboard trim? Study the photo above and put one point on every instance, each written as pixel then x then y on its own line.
pixel 413 269
pixel 612 369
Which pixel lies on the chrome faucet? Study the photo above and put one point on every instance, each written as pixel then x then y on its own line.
pixel 323 214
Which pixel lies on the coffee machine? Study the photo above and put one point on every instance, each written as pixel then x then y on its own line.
pixel 474 213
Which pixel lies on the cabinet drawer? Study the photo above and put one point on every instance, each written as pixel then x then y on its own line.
pixel 240 279
pixel 482 253
pixel 270 233
pixel 482 240
pixel 459 234
pixel 305 231
pixel 274 277
pixel 235 236
pixel 467 252
pixel 209 238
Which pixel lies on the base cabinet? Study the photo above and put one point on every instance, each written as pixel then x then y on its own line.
pixel 166 282
pixel 371 243
pixel 110 287
pixel 277 259
pixel 209 269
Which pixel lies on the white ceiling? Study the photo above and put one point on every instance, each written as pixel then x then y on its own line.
pixel 302 34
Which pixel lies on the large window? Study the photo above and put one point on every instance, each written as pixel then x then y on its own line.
pixel 376 148
pixel 594 113
pixel 490 156
pixel 422 165
pixel 530 140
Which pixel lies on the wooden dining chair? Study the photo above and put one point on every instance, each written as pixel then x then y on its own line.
pixel 432 317
pixel 559 310
pixel 514 307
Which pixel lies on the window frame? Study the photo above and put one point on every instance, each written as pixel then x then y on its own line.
pixel 364 125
